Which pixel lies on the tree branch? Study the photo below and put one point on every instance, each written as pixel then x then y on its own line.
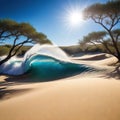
pixel 109 50
pixel 100 22
pixel 19 45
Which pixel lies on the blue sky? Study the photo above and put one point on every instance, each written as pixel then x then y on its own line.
pixel 47 16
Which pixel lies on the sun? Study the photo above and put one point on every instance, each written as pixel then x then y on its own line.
pixel 73 17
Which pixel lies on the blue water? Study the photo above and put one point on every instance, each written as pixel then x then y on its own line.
pixel 44 66
pixel 48 68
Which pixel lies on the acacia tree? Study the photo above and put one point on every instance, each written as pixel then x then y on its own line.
pixel 108 16
pixel 103 38
pixel 18 34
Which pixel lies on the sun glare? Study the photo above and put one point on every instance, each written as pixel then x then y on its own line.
pixel 73 17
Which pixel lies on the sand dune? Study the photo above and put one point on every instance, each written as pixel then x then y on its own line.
pixel 99 60
pixel 92 57
pixel 88 96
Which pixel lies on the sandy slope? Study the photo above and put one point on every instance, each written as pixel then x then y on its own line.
pixel 90 96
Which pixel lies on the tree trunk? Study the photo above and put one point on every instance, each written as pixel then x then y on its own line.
pixel 5 60
pixel 118 57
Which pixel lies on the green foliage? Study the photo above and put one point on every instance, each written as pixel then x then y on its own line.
pixel 108 16
pixel 72 49
pixel 110 9
pixel 76 49
pixel 20 34
pixel 10 28
pixel 93 48
pixel 3 50
pixel 95 37
pixel 42 39
pixel 101 41
pixel 7 46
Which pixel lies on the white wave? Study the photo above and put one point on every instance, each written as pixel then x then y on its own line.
pixel 14 67
pixel 48 50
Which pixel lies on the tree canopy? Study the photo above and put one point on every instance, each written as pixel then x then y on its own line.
pixel 108 16
pixel 102 37
pixel 19 34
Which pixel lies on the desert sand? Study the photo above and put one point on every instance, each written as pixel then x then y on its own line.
pixel 87 96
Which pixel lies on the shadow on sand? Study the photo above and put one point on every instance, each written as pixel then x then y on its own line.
pixel 7 89
pixel 6 93
pixel 114 73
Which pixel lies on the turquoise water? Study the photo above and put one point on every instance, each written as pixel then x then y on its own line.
pixel 48 68
pixel 44 62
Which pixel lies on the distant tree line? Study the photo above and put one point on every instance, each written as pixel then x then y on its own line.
pixel 4 50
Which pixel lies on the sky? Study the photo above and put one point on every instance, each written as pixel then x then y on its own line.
pixel 50 18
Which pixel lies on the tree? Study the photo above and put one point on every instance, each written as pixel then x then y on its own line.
pixel 102 37
pixel 108 16
pixel 83 45
pixel 18 34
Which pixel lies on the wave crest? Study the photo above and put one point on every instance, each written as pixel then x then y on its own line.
pixel 44 62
